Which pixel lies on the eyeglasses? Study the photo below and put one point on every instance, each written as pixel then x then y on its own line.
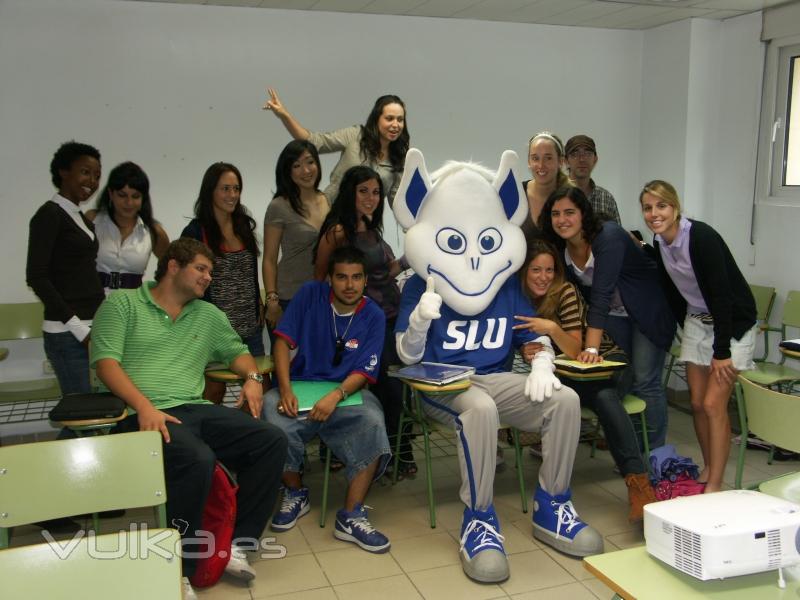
pixel 337 354
pixel 581 154
pixel 230 188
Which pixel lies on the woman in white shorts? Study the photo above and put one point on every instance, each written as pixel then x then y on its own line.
pixel 708 293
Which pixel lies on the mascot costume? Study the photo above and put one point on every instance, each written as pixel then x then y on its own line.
pixel 464 244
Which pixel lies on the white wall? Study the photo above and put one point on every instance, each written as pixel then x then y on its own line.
pixel 177 87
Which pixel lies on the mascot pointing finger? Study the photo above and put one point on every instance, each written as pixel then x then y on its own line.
pixel 464 243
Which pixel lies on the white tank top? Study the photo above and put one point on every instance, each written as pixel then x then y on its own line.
pixel 116 256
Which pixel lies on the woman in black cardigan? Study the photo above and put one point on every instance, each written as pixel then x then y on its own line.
pixel 709 295
pixel 62 249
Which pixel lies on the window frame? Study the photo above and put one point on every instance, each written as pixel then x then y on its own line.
pixel 774 117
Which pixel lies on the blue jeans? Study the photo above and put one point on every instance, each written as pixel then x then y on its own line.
pixel 605 399
pixel 70 361
pixel 355 434
pixel 647 362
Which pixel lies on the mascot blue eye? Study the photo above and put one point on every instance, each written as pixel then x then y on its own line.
pixel 451 241
pixel 489 240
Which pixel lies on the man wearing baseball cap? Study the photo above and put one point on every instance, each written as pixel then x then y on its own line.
pixel 581 154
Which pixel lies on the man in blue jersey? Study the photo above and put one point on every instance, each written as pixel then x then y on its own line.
pixel 337 334
pixel 464 242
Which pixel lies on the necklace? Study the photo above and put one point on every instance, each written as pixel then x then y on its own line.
pixel 337 355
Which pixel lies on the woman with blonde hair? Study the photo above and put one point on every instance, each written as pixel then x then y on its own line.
pixel 709 295
pixel 545 160
pixel 561 315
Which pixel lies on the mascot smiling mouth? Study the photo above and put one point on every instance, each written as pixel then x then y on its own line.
pixel 432 271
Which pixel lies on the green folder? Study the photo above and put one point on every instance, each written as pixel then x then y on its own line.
pixel 309 392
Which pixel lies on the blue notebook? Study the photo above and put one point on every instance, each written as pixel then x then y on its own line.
pixel 433 373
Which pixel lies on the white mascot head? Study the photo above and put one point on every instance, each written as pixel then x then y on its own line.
pixel 464 228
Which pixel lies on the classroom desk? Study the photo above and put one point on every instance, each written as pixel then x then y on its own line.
pixel 264 364
pixel 789 353
pixel 634 574
pixel 123 566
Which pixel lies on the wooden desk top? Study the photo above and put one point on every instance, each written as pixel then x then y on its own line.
pixel 790 353
pixel 264 364
pixel 576 376
pixel 633 573
pixel 428 388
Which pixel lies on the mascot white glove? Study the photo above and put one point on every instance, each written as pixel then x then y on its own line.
pixel 411 343
pixel 542 382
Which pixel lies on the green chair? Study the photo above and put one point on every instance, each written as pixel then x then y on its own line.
pixel 765 298
pixel 776 373
pixel 413 413
pixel 138 564
pixel 23 321
pixel 771 415
pixel 50 480
pixel 633 405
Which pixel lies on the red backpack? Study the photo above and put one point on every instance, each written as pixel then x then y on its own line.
pixel 219 517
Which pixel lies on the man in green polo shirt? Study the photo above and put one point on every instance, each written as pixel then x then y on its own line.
pixel 150 347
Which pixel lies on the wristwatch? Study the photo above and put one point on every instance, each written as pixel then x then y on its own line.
pixel 591 350
pixel 256 376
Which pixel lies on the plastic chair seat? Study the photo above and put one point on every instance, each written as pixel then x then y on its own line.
pixel 769 374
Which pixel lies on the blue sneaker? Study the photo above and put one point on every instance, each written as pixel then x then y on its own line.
pixel 355 527
pixel 294 505
pixel 483 557
pixel 556 523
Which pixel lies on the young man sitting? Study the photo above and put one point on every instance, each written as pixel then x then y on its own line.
pixel 150 347
pixel 337 334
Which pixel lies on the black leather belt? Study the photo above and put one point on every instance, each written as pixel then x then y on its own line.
pixel 117 280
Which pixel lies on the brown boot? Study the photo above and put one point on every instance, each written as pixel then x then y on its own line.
pixel 640 492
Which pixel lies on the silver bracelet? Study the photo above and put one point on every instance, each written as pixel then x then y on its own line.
pixel 591 350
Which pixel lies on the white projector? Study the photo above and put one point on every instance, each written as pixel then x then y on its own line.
pixel 714 536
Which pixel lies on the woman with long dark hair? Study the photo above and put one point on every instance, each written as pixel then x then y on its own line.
pixel 125 228
pixel 621 283
pixel 356 219
pixel 381 143
pixel 292 225
pixel 225 225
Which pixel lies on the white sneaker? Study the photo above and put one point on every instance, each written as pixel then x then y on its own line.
pixel 238 565
pixel 188 590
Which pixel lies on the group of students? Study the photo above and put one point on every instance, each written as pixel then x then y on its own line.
pixel 597 291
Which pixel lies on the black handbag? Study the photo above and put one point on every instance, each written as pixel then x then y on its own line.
pixel 79 407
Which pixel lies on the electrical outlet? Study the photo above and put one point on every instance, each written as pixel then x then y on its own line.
pixel 47 368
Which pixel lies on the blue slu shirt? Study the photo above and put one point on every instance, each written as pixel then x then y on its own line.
pixel 483 341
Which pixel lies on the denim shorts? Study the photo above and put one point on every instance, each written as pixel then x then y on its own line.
pixel 355 434
pixel 698 339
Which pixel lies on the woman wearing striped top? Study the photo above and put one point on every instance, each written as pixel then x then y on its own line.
pixel 224 225
pixel 562 317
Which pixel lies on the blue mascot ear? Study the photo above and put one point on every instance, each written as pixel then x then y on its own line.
pixel 414 187
pixel 510 190
pixel 415 193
